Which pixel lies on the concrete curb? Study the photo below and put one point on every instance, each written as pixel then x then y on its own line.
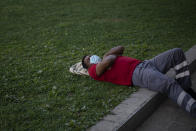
pixel 134 110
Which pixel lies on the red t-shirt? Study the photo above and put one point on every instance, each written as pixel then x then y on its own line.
pixel 120 72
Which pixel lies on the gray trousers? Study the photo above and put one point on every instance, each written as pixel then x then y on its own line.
pixel 151 74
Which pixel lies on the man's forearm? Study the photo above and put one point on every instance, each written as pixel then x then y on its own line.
pixel 105 64
pixel 118 51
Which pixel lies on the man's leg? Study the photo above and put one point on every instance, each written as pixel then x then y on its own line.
pixel 155 80
pixel 169 59
pixel 175 58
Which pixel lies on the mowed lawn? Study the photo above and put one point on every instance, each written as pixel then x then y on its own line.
pixel 41 39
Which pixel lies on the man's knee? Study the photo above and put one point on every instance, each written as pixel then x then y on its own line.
pixel 178 50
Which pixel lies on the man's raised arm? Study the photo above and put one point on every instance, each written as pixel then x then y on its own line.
pixel 105 64
pixel 118 51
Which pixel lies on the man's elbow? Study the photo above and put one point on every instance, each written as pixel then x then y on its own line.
pixel 121 48
pixel 105 64
pixel 111 58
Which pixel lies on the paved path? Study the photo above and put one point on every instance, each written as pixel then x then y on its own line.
pixel 170 117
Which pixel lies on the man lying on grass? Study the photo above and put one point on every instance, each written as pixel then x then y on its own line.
pixel 124 70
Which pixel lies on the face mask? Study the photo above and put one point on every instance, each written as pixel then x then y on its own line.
pixel 94 59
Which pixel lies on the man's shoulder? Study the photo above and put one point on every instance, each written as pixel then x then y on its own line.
pixel 92 70
pixel 92 66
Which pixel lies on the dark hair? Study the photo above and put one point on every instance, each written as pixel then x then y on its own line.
pixel 83 63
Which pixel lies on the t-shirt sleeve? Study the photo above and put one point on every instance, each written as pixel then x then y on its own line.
pixel 92 71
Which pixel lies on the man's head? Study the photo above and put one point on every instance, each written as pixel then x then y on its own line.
pixel 87 60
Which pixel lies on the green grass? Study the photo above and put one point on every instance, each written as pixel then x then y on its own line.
pixel 41 39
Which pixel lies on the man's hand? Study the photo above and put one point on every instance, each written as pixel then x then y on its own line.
pixel 118 51
pixel 108 59
pixel 105 64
